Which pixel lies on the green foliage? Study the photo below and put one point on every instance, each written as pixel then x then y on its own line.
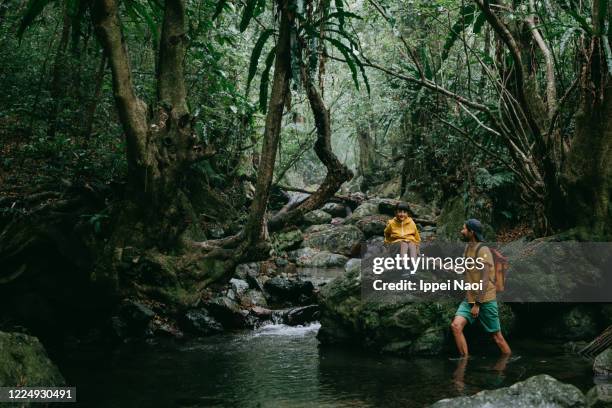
pixel 247 14
pixel 469 15
pixel 33 11
pixel 150 15
pixel 96 221
pixel 256 54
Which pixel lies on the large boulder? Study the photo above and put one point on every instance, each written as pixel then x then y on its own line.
pixel 132 320
pixel 341 239
pixel 200 322
pixel 299 315
pixel 373 225
pixel 545 270
pixel 24 362
pixel 388 189
pixel 229 313
pixel 288 291
pixel 400 328
pixel 600 396
pixel 365 209
pixel 538 391
pixel 317 217
pixel 602 366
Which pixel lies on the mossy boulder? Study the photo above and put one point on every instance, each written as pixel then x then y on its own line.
pixel 365 209
pixel 317 217
pixel 341 239
pixel 538 391
pixel 388 189
pixel 309 257
pixel 602 366
pixel 24 362
pixel 400 328
pixel 600 396
pixel 287 240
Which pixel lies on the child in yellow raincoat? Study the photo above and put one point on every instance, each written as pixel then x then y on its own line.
pixel 402 229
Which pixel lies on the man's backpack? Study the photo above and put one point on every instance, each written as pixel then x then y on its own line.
pixel 501 267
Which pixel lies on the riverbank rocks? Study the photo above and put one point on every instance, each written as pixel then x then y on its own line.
pixel 200 322
pixel 602 366
pixel 538 391
pixel 132 320
pixel 317 217
pixel 229 313
pixel 24 362
pixel 340 239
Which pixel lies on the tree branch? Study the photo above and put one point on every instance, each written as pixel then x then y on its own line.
pixel 337 172
pixel 172 45
pixel 132 110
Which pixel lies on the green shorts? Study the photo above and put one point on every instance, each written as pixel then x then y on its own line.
pixel 488 315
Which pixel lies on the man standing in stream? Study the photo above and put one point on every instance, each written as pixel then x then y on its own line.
pixel 482 304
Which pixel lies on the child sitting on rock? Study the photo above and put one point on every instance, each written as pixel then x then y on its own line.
pixel 402 229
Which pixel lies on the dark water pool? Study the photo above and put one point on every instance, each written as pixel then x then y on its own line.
pixel 281 366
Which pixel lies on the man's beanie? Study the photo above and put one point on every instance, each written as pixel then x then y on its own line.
pixel 476 227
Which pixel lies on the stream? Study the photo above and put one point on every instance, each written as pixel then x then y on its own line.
pixel 283 366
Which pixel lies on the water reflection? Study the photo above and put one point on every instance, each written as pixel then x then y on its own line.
pixel 282 366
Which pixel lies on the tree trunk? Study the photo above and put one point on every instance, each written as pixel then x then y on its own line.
pixel 365 150
pixel 156 211
pixel 255 231
pixel 588 170
pixel 58 81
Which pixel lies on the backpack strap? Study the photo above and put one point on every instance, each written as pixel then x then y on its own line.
pixel 492 277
